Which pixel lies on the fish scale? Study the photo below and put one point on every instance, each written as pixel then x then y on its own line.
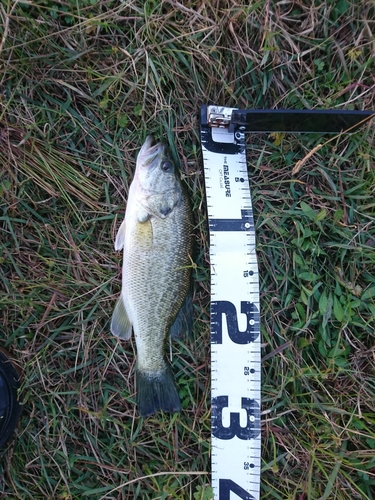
pixel 145 269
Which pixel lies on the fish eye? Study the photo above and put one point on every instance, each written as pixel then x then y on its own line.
pixel 167 166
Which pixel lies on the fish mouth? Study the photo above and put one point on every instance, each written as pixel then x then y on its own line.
pixel 150 150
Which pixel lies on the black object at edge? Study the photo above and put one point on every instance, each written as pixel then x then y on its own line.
pixel 301 120
pixel 10 407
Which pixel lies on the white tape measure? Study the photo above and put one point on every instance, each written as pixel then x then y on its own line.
pixel 235 328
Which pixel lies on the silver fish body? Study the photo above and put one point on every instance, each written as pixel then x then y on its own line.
pixel 156 237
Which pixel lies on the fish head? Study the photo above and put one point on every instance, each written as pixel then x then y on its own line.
pixel 159 188
pixel 155 171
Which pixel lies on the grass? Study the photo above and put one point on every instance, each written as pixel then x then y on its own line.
pixel 82 83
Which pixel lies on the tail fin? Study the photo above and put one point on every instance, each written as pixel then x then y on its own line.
pixel 156 392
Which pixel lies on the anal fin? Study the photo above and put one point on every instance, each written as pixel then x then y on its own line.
pixel 120 323
pixel 183 324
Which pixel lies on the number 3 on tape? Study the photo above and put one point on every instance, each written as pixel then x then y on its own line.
pixel 235 319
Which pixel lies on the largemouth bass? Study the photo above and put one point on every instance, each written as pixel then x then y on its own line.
pixel 156 236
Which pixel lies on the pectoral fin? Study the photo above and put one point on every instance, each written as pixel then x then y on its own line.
pixel 120 324
pixel 120 237
pixel 143 235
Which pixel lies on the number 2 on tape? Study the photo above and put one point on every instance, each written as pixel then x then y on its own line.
pixel 227 485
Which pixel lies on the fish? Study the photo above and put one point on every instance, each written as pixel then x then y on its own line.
pixel 156 237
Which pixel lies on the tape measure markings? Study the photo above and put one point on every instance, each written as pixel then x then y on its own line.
pixel 235 319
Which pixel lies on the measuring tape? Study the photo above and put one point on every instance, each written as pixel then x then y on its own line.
pixel 235 320
pixel 235 327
